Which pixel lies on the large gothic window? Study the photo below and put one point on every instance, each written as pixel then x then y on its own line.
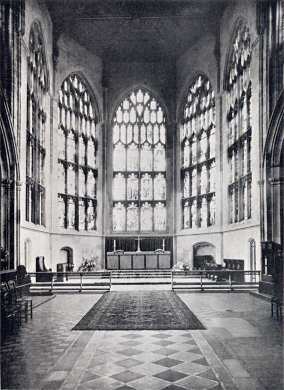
pixel 197 132
pixel 238 101
pixel 139 164
pixel 77 166
pixel 37 87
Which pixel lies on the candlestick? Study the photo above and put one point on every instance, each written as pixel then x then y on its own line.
pixel 114 245
pixel 138 244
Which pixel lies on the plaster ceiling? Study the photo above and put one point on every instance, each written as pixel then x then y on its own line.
pixel 136 30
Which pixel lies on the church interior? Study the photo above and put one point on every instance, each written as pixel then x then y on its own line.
pixel 142 194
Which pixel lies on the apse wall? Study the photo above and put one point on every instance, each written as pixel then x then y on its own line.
pixel 74 59
pixel 67 58
pixel 38 236
pixel 208 56
pixel 236 236
pixel 159 78
pixel 198 60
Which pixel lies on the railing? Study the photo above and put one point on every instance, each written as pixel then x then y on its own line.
pixel 70 281
pixel 188 280
pixel 215 280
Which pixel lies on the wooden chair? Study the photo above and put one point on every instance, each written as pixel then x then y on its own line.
pixel 10 310
pixel 23 300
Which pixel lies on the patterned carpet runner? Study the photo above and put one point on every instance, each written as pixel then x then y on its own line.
pixel 141 310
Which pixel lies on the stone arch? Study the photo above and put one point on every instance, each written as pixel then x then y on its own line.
pixel 67 257
pixel 203 253
pixel 145 88
pixel 93 94
pixel 239 23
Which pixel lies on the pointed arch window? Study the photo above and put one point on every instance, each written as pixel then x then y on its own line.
pixel 139 164
pixel 197 132
pixel 77 152
pixel 238 116
pixel 37 89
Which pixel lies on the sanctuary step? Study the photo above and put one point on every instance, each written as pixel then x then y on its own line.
pixel 138 274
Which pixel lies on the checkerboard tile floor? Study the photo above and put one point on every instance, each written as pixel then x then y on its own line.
pixel 148 360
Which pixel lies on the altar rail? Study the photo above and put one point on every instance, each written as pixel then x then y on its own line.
pixel 215 280
pixel 71 281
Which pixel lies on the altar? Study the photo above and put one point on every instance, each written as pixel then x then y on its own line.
pixel 131 253
pixel 138 260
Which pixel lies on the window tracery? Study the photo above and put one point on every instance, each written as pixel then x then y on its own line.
pixel 198 155
pixel 139 164
pixel 37 87
pixel 77 134
pixel 239 127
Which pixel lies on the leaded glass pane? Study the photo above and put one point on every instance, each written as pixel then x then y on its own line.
pixel 82 215
pixel 61 179
pixel 132 158
pixel 194 183
pixel 197 137
pixel 238 101
pixel 186 154
pixel 71 148
pixel 71 214
pixel 186 185
pixel 37 88
pixel 203 180
pixel 91 216
pixel 77 122
pixel 132 187
pixel 160 217
pixel 91 185
pixel 212 211
pixel 132 217
pixel 71 180
pixel 60 212
pixel 119 158
pixel 203 213
pixel 146 163
pixel 118 187
pixel 159 158
pixel 82 185
pixel 91 154
pixel 138 124
pixel 82 151
pixel 186 216
pixel 146 217
pixel 146 187
pixel 119 214
pixel 61 144
pixel 159 187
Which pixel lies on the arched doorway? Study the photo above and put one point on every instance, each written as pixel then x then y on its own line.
pixel 204 255
pixel 66 257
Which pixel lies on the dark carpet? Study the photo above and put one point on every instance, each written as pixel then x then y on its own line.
pixel 141 310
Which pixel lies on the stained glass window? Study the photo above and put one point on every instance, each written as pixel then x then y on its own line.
pixel 238 102
pixel 139 164
pixel 37 88
pixel 197 131
pixel 76 156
